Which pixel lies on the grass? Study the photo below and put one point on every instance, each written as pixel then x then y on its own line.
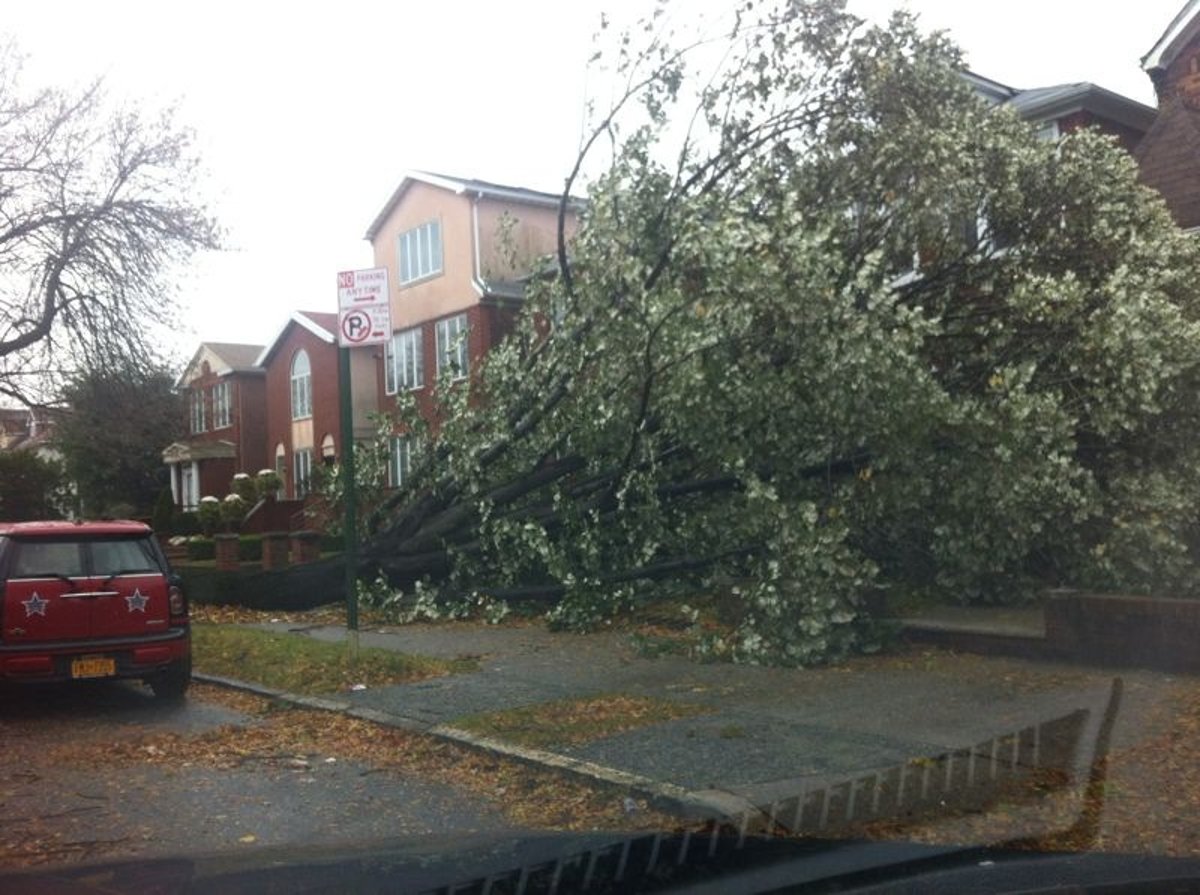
pixel 570 721
pixel 298 664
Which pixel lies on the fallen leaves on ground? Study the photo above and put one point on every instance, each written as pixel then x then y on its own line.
pixel 299 664
pixel 296 739
pixel 571 721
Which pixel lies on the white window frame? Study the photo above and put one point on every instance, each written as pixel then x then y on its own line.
pixel 199 418
pixel 302 470
pixel 281 471
pixel 400 452
pixel 419 252
pixel 404 361
pixel 453 346
pixel 222 399
pixel 301 390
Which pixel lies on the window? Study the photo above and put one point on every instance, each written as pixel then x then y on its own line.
pixel 199 420
pixel 452 346
pixel 280 470
pixel 222 399
pixel 301 386
pixel 404 363
pixel 124 556
pixel 400 460
pixel 303 463
pixel 1048 130
pixel 419 252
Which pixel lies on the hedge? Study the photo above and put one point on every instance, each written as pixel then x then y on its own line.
pixel 295 588
pixel 202 549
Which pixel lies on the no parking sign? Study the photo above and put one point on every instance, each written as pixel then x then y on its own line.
pixel 364 311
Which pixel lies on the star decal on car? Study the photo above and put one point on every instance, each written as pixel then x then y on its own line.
pixel 35 605
pixel 136 601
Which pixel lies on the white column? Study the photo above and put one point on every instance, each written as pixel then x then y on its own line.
pixel 174 467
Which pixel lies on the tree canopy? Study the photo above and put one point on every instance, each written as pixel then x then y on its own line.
pixel 112 438
pixel 855 330
pixel 97 201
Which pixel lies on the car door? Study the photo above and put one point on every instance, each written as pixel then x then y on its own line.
pixel 130 585
pixel 45 593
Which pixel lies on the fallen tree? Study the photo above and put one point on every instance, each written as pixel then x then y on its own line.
pixel 854 329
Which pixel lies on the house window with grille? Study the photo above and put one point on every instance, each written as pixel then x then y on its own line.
pixel 222 398
pixel 452 354
pixel 419 252
pixel 303 463
pixel 404 362
pixel 199 419
pixel 301 386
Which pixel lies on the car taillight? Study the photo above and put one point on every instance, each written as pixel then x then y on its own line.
pixel 176 601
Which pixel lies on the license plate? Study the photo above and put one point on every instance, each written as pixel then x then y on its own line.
pixel 93 666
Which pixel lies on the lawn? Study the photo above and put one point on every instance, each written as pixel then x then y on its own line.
pixel 299 664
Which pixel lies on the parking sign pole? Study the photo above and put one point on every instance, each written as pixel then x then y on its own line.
pixel 349 500
pixel 364 319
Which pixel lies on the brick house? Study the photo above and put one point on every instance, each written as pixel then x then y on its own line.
pixel 224 392
pixel 301 407
pixel 1064 108
pixel 456 250
pixel 1169 155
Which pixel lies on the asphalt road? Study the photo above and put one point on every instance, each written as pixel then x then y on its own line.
pixel 70 792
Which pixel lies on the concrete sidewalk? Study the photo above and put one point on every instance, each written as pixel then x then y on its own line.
pixel 763 733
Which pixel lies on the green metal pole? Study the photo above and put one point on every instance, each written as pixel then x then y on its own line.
pixel 350 500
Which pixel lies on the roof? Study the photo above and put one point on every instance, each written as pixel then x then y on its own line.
pixel 469 186
pixel 1042 103
pixel 1183 28
pixel 322 324
pixel 236 357
pixel 58 529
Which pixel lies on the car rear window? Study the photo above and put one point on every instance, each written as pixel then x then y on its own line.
pixel 78 557
pixel 127 555
pixel 47 559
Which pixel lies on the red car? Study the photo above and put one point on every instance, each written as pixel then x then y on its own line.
pixel 91 600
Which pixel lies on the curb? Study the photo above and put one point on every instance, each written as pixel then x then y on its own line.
pixel 684 803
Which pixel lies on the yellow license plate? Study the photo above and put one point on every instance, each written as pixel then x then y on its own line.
pixel 93 666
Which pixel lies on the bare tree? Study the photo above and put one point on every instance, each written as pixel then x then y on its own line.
pixel 97 202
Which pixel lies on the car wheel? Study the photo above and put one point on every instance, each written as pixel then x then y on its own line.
pixel 171 685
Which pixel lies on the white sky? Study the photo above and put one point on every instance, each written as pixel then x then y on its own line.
pixel 309 115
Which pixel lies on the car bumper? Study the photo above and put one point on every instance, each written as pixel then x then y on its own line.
pixel 131 658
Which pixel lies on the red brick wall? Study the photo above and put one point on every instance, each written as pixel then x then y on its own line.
pixel 250 421
pixel 488 325
pixel 323 359
pixel 1129 137
pixel 216 477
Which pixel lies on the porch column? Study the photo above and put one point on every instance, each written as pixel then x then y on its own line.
pixel 175 497
pixel 194 497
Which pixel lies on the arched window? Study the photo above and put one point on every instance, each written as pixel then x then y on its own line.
pixel 328 453
pixel 301 386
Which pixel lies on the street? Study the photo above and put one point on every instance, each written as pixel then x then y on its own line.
pixel 100 772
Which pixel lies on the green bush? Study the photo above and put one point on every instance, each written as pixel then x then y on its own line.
pixel 164 513
pixel 201 549
pixel 293 589
pixel 185 523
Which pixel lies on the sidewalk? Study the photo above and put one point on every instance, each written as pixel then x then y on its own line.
pixel 763 735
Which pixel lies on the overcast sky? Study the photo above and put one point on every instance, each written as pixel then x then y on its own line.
pixel 309 115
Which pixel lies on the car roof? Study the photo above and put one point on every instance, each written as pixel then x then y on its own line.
pixel 60 529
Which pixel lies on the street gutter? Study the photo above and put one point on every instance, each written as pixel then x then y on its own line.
pixel 684 803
